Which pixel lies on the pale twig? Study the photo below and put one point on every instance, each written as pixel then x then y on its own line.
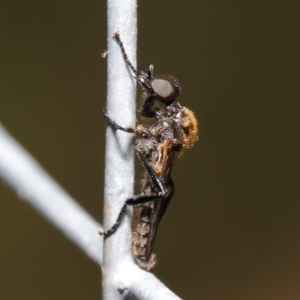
pixel 121 276
pixel 31 182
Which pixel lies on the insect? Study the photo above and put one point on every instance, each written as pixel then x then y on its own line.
pixel 166 130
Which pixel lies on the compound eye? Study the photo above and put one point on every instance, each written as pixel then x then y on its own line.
pixel 166 88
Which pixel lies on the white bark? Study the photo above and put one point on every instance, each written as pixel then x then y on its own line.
pixel 119 157
pixel 121 276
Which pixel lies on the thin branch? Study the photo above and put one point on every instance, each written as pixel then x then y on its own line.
pixel 23 173
pixel 121 276
pixel 119 157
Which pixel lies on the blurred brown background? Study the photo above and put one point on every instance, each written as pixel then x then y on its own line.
pixel 233 228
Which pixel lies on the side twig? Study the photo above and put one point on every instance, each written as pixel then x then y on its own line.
pixel 31 182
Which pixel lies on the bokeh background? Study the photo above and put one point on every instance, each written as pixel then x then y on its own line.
pixel 232 230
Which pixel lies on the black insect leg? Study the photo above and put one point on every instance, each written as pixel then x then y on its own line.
pixel 154 178
pixel 137 200
pixel 143 78
pixel 147 108
pixel 116 126
pixel 125 57
pixel 140 199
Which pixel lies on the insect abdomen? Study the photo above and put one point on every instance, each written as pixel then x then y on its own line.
pixel 141 252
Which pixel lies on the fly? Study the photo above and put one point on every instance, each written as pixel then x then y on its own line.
pixel 167 130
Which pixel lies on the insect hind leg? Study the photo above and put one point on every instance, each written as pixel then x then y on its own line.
pixel 134 201
pixel 154 178
pixel 163 192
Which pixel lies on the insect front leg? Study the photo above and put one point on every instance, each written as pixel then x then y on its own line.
pixel 124 54
pixel 147 108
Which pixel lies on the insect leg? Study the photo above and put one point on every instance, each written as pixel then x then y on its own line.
pixel 154 178
pixel 125 57
pixel 136 200
pixel 147 108
pixel 140 199
pixel 116 126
